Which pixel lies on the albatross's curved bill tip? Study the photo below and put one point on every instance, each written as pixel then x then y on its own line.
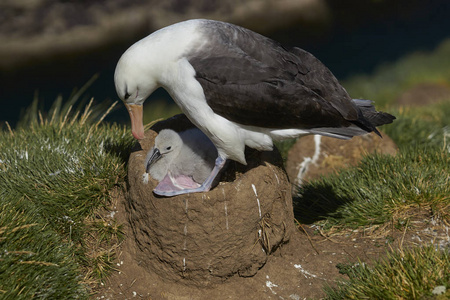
pixel 137 125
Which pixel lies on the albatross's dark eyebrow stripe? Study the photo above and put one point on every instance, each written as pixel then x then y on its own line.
pixel 127 95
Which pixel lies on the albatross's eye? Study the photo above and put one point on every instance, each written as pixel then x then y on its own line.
pixel 168 148
pixel 126 96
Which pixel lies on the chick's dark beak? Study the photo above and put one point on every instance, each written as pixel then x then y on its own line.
pixel 155 156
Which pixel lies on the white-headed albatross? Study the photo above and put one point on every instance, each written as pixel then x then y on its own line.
pixel 180 160
pixel 240 88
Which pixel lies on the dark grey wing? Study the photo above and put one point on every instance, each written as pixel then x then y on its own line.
pixel 252 80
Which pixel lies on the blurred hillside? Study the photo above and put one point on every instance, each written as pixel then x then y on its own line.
pixel 53 46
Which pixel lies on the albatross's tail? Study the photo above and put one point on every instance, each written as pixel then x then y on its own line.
pixel 368 120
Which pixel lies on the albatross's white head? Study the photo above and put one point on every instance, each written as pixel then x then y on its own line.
pixel 135 82
pixel 151 63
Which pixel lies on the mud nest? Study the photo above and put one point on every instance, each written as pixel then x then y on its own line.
pixel 205 238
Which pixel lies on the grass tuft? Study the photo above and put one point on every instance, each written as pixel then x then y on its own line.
pixel 377 189
pixel 405 274
pixel 56 172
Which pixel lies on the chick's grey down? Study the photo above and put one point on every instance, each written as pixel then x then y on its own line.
pixel 188 153
pixel 240 88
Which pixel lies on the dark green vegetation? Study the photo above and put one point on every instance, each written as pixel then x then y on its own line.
pixel 408 274
pixel 55 174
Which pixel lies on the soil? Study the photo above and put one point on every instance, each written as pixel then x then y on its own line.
pixel 299 270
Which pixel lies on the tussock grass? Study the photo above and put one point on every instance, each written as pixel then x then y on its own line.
pixel 33 262
pixel 377 189
pixel 421 126
pixel 56 171
pixel 405 274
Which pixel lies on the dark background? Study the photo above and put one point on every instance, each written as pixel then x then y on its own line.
pixel 358 37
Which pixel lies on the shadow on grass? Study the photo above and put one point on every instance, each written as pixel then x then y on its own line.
pixel 317 201
pixel 121 149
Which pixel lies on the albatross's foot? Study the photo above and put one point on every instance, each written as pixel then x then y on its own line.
pixel 171 186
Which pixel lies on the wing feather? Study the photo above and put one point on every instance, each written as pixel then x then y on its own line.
pixel 253 80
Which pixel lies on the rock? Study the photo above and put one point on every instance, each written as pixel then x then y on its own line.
pixel 314 155
pixel 204 238
pixel 424 94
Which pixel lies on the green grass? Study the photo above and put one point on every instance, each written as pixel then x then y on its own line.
pixel 381 186
pixel 378 189
pixel 421 126
pixel 408 274
pixel 55 174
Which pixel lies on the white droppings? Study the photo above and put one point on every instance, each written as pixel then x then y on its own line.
pixel 270 285
pixel 238 186
pixel 276 176
pixel 185 236
pixel 145 178
pixel 306 273
pixel 260 236
pixel 55 173
pixel 439 290
pixel 186 205
pixel 307 161
pixel 226 209
pixel 257 199
pixel 112 214
pixel 184 264
pixel 226 215
pixel 274 173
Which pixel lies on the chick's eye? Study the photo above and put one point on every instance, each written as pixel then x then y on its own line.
pixel 168 148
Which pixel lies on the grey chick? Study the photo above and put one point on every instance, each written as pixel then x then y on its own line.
pixel 181 160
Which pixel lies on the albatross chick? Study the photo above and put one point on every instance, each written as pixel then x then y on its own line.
pixel 180 160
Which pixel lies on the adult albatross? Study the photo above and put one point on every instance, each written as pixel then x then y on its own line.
pixel 240 88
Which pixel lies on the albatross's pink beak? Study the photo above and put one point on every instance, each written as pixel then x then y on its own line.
pixel 137 125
